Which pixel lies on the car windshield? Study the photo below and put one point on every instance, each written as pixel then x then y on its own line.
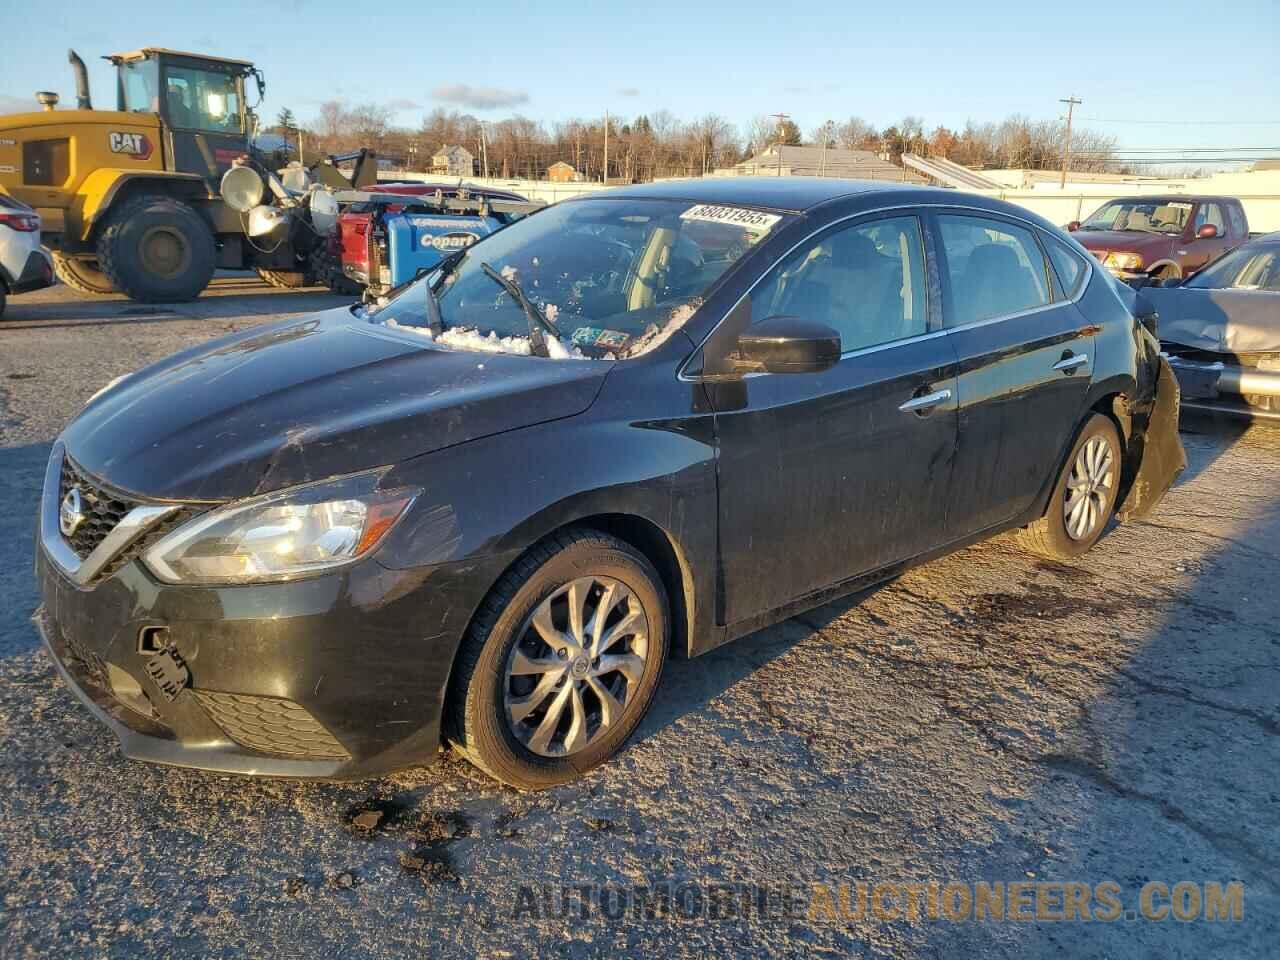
pixel 1246 268
pixel 616 277
pixel 1141 216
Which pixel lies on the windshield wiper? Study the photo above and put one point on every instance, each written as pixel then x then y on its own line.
pixel 537 321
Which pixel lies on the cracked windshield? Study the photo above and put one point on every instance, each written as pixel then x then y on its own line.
pixel 599 279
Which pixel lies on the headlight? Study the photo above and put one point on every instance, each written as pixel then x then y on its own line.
pixel 242 188
pixel 281 536
pixel 1124 261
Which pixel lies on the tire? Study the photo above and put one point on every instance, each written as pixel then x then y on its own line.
pixel 285 279
pixel 82 275
pixel 2 300
pixel 1063 536
pixel 157 250
pixel 496 670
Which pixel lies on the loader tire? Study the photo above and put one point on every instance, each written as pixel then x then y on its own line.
pixel 286 279
pixel 82 275
pixel 157 250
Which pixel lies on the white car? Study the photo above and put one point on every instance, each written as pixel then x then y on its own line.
pixel 23 265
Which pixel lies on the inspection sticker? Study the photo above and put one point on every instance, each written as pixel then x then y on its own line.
pixel 752 220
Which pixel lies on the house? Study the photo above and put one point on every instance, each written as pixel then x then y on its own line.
pixel 452 161
pixel 822 162
pixel 561 172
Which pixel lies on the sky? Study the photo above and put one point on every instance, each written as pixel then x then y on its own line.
pixel 1196 75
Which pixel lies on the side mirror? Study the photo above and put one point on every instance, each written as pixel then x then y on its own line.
pixel 1073 226
pixel 785 344
pixel 1207 232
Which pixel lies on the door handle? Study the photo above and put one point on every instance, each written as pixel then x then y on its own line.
pixel 925 403
pixel 1069 364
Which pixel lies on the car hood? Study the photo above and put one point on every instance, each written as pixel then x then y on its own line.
pixel 1107 240
pixel 307 399
pixel 1219 321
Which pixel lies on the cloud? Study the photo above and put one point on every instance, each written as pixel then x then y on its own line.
pixel 403 104
pixel 629 92
pixel 479 98
pixel 25 104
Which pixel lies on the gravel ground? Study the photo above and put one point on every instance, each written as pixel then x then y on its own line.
pixel 987 717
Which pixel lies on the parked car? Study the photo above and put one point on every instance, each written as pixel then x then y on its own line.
pixel 24 265
pixel 650 420
pixel 1164 238
pixel 363 230
pixel 1221 330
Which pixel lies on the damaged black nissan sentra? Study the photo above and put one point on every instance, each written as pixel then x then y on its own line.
pixel 484 512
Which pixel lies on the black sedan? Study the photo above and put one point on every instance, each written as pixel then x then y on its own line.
pixel 1221 330
pixel 629 426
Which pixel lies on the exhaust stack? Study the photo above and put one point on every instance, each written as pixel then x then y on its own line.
pixel 82 80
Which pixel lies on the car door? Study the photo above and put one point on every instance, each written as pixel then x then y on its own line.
pixel 1025 354
pixel 1201 251
pixel 826 475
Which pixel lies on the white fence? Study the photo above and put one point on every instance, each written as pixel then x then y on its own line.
pixel 1060 207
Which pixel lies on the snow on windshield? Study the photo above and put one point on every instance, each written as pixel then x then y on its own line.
pixel 469 338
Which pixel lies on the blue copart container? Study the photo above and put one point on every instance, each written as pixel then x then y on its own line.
pixel 417 240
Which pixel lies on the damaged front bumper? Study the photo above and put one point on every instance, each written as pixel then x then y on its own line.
pixel 1228 388
pixel 334 677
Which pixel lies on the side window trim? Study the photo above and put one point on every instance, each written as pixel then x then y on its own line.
pixel 939 303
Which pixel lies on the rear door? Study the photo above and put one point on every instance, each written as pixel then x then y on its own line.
pixel 1025 355
pixel 827 475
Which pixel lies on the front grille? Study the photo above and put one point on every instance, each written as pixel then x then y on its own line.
pixel 279 728
pixel 103 509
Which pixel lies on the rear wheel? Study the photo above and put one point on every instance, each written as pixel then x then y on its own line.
pixel 157 249
pixel 83 275
pixel 562 661
pixel 285 279
pixel 1084 497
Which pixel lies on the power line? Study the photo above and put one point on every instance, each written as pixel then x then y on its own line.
pixel 1194 123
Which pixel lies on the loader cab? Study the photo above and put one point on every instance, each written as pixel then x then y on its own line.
pixel 200 101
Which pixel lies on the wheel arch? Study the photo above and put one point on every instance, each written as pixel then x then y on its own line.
pixel 1165 264
pixel 103 189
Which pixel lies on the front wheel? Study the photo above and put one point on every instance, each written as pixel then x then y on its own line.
pixel 562 661
pixel 157 249
pixel 1084 497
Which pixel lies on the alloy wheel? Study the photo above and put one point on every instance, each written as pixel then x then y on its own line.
pixel 575 666
pixel 1089 488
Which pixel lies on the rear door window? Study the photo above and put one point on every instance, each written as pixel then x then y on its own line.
pixel 996 268
pixel 1067 264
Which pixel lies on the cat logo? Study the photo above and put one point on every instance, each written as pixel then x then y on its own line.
pixel 134 145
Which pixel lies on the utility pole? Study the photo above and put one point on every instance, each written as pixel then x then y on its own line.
pixel 1071 103
pixel 826 139
pixel 779 117
pixel 484 148
pixel 605 178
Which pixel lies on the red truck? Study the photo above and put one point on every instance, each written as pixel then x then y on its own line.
pixel 1162 237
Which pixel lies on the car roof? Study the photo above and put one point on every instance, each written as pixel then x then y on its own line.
pixel 1172 198
pixel 784 194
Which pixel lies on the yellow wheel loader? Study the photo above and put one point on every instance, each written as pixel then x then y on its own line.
pixel 130 198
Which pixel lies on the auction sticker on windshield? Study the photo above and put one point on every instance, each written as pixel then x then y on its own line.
pixel 752 220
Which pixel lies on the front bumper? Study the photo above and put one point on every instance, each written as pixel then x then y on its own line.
pixel 335 677
pixel 1228 388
